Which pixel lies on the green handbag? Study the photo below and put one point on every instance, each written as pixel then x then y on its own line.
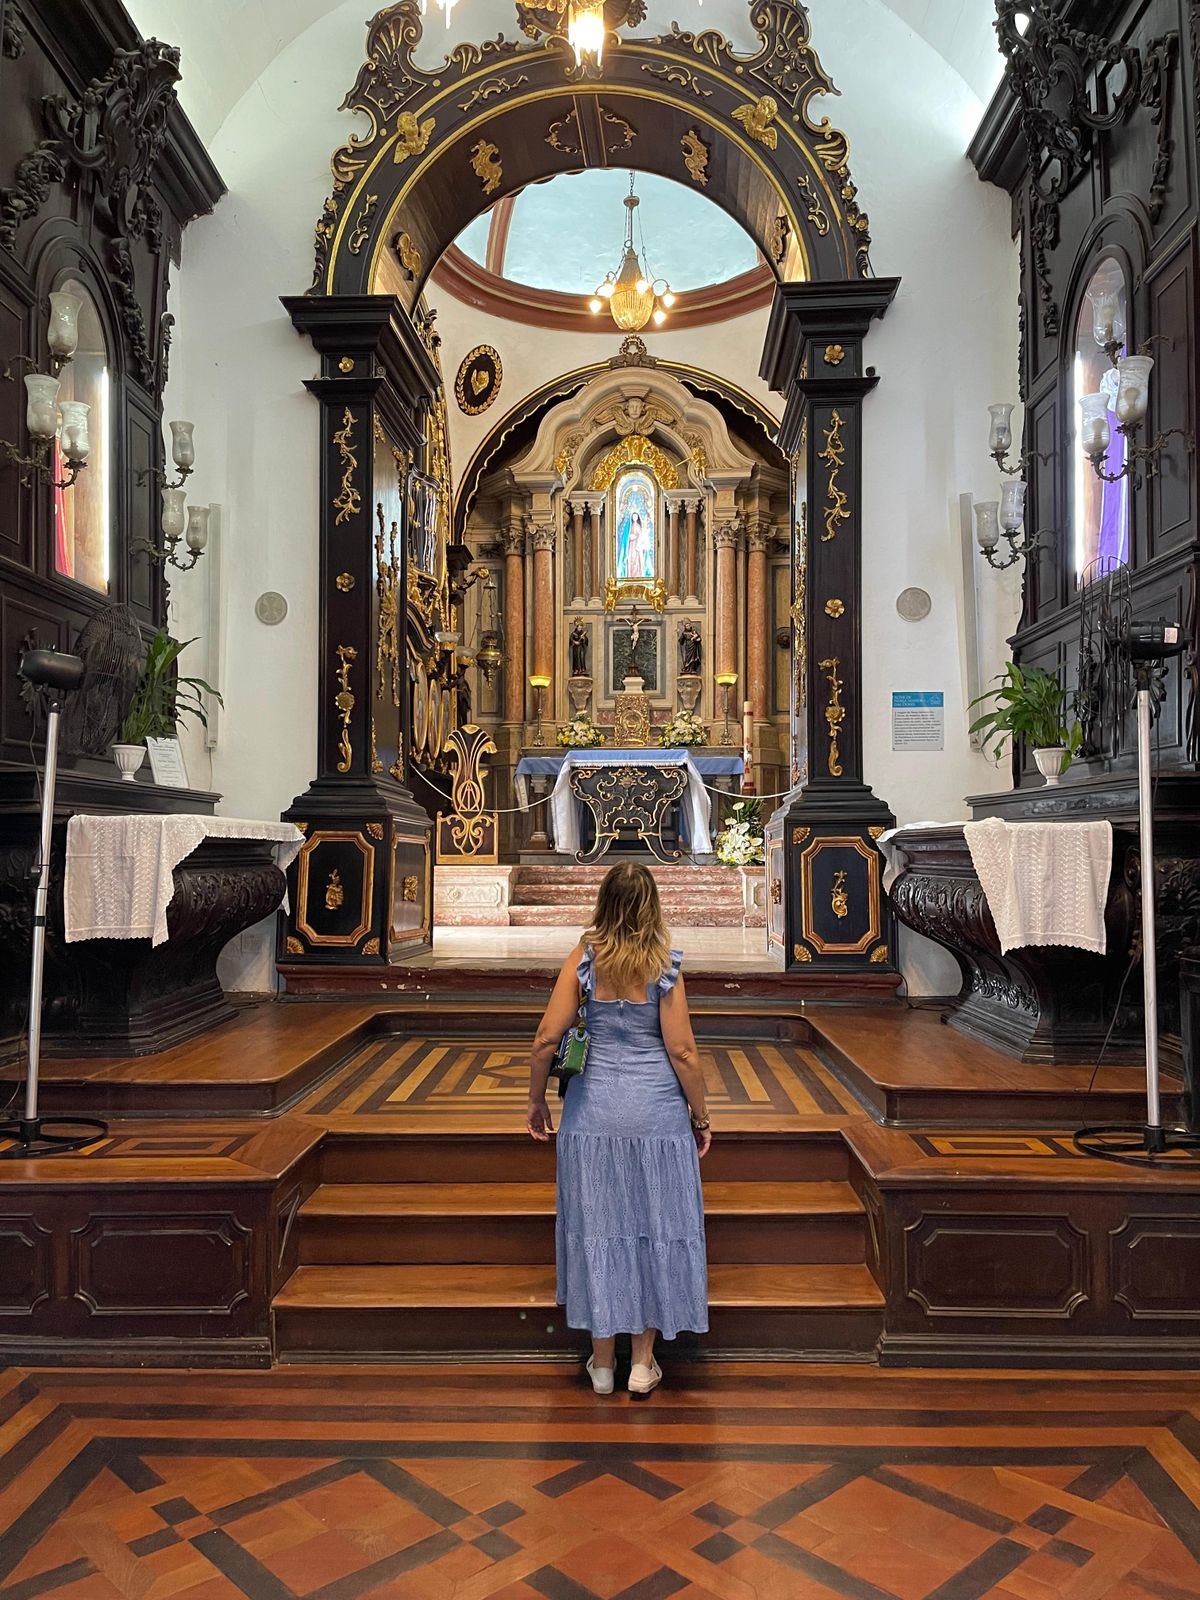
pixel 571 1056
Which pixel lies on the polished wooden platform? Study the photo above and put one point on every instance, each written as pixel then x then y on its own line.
pixel 736 1482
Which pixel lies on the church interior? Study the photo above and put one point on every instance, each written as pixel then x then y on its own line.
pixel 443 457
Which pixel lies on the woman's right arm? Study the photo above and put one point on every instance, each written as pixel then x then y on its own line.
pixel 685 1058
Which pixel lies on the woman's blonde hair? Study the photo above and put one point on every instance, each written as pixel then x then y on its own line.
pixel 628 935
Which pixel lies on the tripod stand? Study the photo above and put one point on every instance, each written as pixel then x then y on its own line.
pixel 32 1134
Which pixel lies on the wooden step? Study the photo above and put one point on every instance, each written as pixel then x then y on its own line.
pixel 465 1223
pixel 390 1311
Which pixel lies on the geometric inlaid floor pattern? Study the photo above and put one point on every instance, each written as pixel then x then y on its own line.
pixel 734 1483
pixel 471 1077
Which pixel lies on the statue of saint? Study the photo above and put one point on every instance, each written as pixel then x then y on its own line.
pixel 579 640
pixel 690 649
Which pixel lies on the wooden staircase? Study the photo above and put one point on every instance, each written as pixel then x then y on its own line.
pixel 417 1245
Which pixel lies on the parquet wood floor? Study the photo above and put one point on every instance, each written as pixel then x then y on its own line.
pixel 734 1483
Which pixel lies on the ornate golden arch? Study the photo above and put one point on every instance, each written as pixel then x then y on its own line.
pixel 635 449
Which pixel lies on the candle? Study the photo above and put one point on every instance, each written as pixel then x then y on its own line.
pixel 747 747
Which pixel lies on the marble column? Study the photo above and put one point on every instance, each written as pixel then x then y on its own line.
pixel 673 509
pixel 757 639
pixel 543 607
pixel 692 507
pixel 725 542
pixel 581 593
pixel 514 624
pixel 595 510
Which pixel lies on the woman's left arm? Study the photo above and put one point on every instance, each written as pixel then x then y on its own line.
pixel 558 1017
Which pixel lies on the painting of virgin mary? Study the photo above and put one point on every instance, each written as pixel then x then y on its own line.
pixel 635 525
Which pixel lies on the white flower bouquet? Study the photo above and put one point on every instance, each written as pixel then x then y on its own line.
pixel 581 733
pixel 740 841
pixel 684 729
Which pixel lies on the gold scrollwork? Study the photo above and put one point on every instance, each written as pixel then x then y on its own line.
pixel 635 448
pixel 814 210
pixel 637 798
pixel 838 899
pixel 834 456
pixel 682 77
pixel 344 701
pixel 879 955
pixel 842 845
pixel 361 231
pixel 492 88
pixel 409 888
pixel 799 835
pixel 835 713
pixel 371 948
pixel 348 501
pixel 835 608
pixel 344 582
pixel 303 887
pixel 758 118
pixel 294 946
pixel 626 133
pixel 801 952
pixel 652 590
pixel 469 824
pixel 387 627
pixel 413 135
pixel 486 167
pixel 335 895
pixel 695 157
pixel 408 256
pixel 835 354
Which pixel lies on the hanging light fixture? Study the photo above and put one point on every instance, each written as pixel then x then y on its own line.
pixel 634 297
pixel 586 29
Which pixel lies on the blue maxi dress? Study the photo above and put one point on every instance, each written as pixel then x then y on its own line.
pixel 630 1228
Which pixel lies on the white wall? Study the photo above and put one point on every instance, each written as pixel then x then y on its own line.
pixel 946 348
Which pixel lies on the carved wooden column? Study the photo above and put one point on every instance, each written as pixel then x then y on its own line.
pixel 672 549
pixel 757 636
pixel 361 891
pixel 580 593
pixel 827 908
pixel 514 622
pixel 543 606
pixel 725 542
pixel 692 508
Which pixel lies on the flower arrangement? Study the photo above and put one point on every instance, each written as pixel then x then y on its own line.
pixel 684 728
pixel 581 733
pixel 740 841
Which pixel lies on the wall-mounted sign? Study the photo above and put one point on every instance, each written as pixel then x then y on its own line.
pixel 918 719
pixel 478 380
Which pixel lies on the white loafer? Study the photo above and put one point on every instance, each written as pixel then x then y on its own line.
pixel 643 1379
pixel 602 1378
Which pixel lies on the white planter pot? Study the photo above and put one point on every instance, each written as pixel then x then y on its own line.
pixel 1050 762
pixel 128 758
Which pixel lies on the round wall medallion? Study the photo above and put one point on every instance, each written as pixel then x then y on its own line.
pixel 478 380
pixel 914 605
pixel 270 608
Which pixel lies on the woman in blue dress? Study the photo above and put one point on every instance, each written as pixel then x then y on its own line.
pixel 630 1230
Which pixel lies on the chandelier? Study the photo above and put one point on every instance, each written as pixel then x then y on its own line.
pixel 585 22
pixel 634 296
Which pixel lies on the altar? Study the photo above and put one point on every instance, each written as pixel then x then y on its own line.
pixel 628 794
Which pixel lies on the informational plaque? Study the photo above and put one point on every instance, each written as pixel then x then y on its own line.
pixel 166 763
pixel 918 719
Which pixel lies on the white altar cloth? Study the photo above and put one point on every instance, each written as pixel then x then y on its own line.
pixel 1045 882
pixel 118 883
pixel 695 802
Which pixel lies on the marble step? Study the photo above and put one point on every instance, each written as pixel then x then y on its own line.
pixel 664 875
pixel 693 913
pixel 574 893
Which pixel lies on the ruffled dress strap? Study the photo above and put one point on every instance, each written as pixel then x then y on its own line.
pixel 671 976
pixel 585 971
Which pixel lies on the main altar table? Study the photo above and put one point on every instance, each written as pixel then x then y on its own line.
pixel 635 800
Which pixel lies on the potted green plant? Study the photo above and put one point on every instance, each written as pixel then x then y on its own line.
pixel 162 699
pixel 1029 704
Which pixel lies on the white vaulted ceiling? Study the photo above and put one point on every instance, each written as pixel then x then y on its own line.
pixel 228 45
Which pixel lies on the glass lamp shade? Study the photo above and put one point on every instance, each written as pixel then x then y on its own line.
pixel 1133 390
pixel 1012 504
pixel 585 29
pixel 631 307
pixel 183 448
pixel 1108 322
pixel 1094 430
pixel 197 526
pixel 1000 433
pixel 41 412
pixel 727 679
pixel 987 527
pixel 75 442
pixel 62 331
pixel 174 514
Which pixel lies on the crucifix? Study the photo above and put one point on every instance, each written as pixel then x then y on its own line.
pixel 635 626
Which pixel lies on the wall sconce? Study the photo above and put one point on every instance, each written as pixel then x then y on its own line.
pixel 46 416
pixel 539 683
pixel 180 522
pixel 1130 403
pixel 726 680
pixel 1005 516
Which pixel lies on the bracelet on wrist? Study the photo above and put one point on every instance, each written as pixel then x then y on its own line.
pixel 700 1123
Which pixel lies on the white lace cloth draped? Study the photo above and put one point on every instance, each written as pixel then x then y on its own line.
pixel 119 883
pixel 1045 882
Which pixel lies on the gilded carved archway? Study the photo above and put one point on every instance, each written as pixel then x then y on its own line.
pixel 444 145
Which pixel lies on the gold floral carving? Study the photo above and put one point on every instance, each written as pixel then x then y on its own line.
pixel 348 501
pixel 344 582
pixel 294 946
pixel 486 167
pixel 800 611
pixel 781 230
pixel 799 835
pixel 361 231
pixel 776 891
pixel 493 87
pixel 879 955
pixel 758 119
pixel 371 948
pixel 635 448
pixel 555 134
pixel 877 832
pixel 682 77
pixel 652 590
pixel 837 504
pixel 835 713
pixel 408 256
pixel 813 209
pixel 564 461
pixel 346 364
pixel 344 701
pixel 695 157
pixel 410 888
pixel 387 626
pixel 375 829
pixel 835 608
pixel 376 763
pixel 626 132
pixel 469 824
pixel 335 895
pixel 413 135
pixel 835 354
pixel 838 899
pixel 302 826
pixel 801 952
